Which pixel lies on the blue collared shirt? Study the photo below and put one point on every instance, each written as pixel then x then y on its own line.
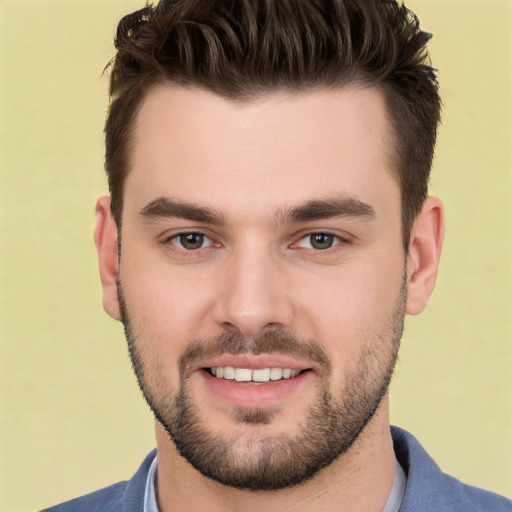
pixel 392 505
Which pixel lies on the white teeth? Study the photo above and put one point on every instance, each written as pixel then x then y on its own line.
pixel 287 373
pixel 261 375
pixel 247 375
pixel 229 372
pixel 276 373
pixel 243 375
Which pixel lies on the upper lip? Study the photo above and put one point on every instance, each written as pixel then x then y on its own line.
pixel 253 362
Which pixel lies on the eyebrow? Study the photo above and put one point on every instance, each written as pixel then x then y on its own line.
pixel 330 208
pixel 164 207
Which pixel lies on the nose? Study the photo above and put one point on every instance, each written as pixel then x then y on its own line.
pixel 253 297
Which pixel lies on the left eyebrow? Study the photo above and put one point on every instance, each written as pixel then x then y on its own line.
pixel 330 208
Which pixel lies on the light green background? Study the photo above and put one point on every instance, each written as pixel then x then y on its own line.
pixel 72 419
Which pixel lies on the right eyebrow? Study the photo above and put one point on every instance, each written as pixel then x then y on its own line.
pixel 164 207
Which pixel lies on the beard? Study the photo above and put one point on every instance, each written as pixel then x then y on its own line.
pixel 256 458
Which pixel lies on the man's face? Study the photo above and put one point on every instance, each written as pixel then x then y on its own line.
pixel 262 241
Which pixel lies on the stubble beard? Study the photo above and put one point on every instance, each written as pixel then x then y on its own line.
pixel 257 459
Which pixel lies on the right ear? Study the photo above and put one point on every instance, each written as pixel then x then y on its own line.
pixel 106 240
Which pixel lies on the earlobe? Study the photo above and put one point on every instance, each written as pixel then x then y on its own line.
pixel 105 238
pixel 424 253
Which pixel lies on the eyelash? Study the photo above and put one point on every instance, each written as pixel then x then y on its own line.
pixel 337 240
pixel 173 246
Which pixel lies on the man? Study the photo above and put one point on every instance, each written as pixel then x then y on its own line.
pixel 267 230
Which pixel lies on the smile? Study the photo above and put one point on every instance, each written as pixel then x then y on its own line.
pixel 252 375
pixel 250 382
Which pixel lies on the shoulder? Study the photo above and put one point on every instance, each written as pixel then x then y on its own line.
pixel 126 496
pixel 108 499
pixel 428 488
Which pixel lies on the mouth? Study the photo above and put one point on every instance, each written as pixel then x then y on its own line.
pixel 255 376
pixel 249 381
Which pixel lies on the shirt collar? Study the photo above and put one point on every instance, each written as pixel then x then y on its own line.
pixel 149 493
pixel 392 504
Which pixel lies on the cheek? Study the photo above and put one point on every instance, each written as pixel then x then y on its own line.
pixel 348 309
pixel 168 305
pixel 161 328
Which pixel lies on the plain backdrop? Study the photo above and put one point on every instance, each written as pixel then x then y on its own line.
pixel 71 416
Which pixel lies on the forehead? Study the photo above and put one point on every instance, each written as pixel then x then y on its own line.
pixel 279 148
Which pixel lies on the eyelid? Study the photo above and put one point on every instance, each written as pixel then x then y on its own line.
pixel 339 239
pixel 168 240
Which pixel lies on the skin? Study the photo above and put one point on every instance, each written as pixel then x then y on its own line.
pixel 252 162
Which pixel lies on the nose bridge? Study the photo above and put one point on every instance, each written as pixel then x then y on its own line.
pixel 254 297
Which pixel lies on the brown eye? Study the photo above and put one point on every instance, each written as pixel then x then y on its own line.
pixel 191 241
pixel 321 241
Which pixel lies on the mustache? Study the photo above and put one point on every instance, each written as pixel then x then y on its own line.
pixel 272 342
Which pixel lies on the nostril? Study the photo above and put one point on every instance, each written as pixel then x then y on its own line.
pixel 228 326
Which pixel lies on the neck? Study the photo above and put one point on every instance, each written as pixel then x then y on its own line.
pixel 359 480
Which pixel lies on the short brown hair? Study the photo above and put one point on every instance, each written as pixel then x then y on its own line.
pixel 241 49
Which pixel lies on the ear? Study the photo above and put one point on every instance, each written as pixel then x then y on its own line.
pixel 424 252
pixel 105 238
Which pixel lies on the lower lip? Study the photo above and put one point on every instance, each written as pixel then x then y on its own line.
pixel 250 394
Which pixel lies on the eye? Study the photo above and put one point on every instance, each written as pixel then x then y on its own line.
pixel 191 241
pixel 319 241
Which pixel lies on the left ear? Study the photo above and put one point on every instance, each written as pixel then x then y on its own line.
pixel 424 252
